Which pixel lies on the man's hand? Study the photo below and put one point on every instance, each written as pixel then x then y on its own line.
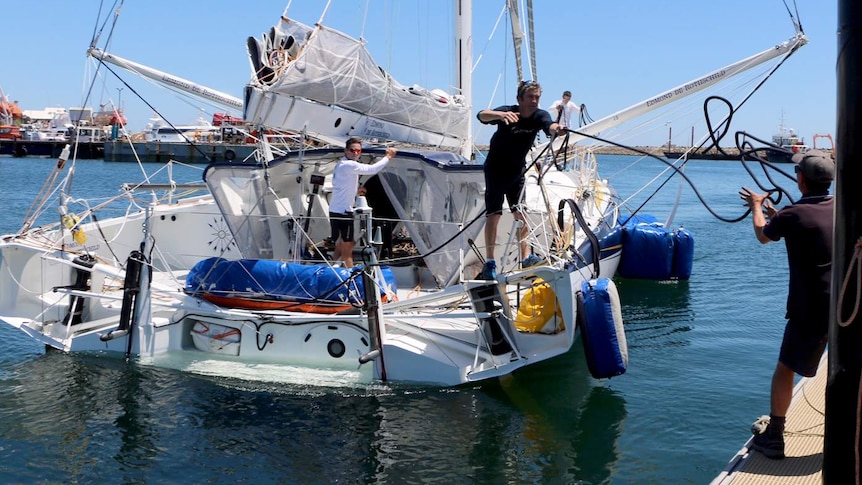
pixel 509 117
pixel 755 202
pixel 391 152
pixel 752 199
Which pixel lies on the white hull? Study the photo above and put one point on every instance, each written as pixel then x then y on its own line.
pixel 428 342
pixel 428 335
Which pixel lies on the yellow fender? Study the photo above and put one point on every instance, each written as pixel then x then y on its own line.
pixel 71 221
pixel 539 310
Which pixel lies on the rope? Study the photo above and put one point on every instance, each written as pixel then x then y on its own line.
pixel 747 152
pixel 857 259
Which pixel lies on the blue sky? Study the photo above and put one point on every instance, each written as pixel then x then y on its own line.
pixel 610 54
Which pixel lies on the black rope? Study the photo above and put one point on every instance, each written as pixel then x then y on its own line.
pixel 594 241
pixel 104 238
pixel 584 118
pixel 747 152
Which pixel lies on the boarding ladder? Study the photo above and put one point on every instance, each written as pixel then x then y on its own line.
pixel 495 324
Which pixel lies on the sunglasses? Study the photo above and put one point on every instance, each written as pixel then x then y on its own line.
pixel 523 86
pixel 354 150
pixel 796 168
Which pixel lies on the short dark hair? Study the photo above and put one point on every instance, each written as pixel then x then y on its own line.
pixel 351 141
pixel 523 86
pixel 567 93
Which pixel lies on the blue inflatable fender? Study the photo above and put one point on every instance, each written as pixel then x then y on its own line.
pixel 601 324
pixel 647 252
pixel 683 254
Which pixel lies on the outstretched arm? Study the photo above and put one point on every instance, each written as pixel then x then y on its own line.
pixel 756 202
pixel 490 115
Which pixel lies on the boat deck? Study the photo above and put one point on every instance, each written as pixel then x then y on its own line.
pixel 803 439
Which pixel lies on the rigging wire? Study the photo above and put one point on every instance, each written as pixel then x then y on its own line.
pixel 796 20
pixel 746 149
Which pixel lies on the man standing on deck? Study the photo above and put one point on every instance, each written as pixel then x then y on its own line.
pixel 345 186
pixel 517 126
pixel 565 111
pixel 806 227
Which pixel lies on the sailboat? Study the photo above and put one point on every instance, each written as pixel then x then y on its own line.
pixel 240 275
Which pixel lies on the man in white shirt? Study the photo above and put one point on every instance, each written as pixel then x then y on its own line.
pixel 345 185
pixel 564 111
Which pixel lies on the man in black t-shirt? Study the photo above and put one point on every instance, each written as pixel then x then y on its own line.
pixel 517 126
pixel 806 227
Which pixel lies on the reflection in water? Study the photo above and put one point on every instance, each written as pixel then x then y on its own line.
pixel 138 431
pixel 58 413
pixel 571 423
pixel 73 418
pixel 656 313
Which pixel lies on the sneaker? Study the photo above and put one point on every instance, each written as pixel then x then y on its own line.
pixel 531 260
pixel 489 271
pixel 771 447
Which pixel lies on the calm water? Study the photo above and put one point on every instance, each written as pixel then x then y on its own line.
pixel 701 357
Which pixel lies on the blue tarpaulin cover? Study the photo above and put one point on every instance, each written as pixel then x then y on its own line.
pixel 278 280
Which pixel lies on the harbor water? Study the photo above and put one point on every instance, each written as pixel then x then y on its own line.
pixel 701 356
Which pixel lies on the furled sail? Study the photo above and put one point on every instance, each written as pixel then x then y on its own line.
pixel 295 63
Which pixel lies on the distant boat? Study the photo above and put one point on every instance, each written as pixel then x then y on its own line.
pixel 226 138
pixel 790 143
pixel 10 132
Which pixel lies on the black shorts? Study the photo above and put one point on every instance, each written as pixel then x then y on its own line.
pixel 341 225
pixel 499 185
pixel 802 348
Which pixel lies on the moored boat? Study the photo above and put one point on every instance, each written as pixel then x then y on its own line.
pixel 134 284
pixel 789 144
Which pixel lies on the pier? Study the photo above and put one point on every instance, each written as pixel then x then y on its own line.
pixel 50 149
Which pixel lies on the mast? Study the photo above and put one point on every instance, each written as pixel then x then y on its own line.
pixel 464 64
pixel 841 443
pixel 517 36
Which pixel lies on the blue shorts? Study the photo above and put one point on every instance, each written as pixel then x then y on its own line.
pixel 341 225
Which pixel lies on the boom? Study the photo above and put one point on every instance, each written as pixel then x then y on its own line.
pixel 219 97
pixel 683 90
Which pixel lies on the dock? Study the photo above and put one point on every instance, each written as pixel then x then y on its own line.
pixel 803 440
pixel 161 152
pixel 50 149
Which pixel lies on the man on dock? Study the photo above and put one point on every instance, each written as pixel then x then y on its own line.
pixel 806 227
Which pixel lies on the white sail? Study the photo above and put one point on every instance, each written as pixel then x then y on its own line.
pixel 304 65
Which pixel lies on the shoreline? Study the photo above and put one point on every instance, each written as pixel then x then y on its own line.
pixel 652 150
